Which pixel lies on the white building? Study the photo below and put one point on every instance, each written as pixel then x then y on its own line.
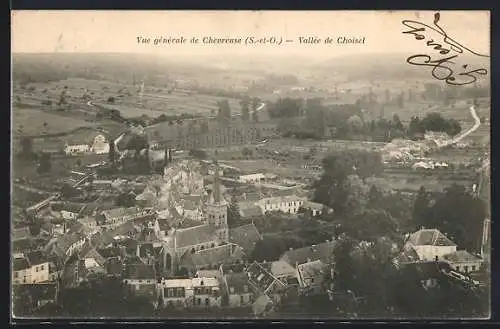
pixel 76 149
pixel 430 243
pixel 194 292
pixel 287 204
pixel 34 268
pixel 251 178
pixel 100 145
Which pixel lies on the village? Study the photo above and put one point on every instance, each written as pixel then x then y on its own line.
pixel 276 200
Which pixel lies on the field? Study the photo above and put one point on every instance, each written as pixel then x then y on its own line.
pixel 32 122
pixel 154 101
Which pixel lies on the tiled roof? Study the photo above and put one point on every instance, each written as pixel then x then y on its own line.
pixel 430 237
pixel 111 252
pixel 194 235
pixel 461 256
pixel 120 212
pixel 102 239
pixel 92 253
pixel 208 273
pixel 36 257
pixel 281 268
pixel 313 205
pixel 20 264
pixel 323 252
pixel 252 211
pixel 139 271
pixel 20 233
pixel 409 255
pixel 238 281
pixel 260 277
pixel 245 236
pixel 114 267
pixel 215 256
pixel 311 269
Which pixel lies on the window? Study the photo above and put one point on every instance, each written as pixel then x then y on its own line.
pixel 198 301
pixel 231 289
pixel 473 268
pixel 457 268
pixel 245 288
pixel 16 274
pixel 242 299
pixel 466 268
pixel 192 250
pixel 207 301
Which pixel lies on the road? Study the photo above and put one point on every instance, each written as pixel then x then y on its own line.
pixel 477 123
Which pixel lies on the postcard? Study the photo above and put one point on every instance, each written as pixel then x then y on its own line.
pixel 218 165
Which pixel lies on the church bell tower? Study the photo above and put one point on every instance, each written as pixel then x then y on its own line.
pixel 217 210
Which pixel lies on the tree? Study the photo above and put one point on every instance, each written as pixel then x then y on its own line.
pixel 396 121
pixel 45 164
pixel 335 185
pixel 460 215
pixel 26 147
pixel 401 100
pixel 69 191
pixel 415 127
pixel 374 197
pixel 255 116
pixel 224 111
pixel 355 123
pixel 112 152
pixel 420 211
pixel 245 109
pixel 125 200
pixel 453 127
pixel 111 100
pixel 233 213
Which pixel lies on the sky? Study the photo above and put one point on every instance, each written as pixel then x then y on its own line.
pixel 117 31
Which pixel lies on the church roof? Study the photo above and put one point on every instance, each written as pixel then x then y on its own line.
pixel 194 235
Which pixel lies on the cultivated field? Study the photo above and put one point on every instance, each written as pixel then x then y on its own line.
pixel 34 122
pixel 154 101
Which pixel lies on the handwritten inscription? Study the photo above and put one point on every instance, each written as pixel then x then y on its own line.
pixel 444 67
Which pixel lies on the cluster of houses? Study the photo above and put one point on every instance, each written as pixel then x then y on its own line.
pixel 187 256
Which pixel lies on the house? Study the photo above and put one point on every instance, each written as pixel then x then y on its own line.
pixel 238 289
pixel 100 145
pixel 93 260
pixel 263 281
pixel 463 262
pixel 213 258
pixel 34 268
pixel 140 280
pixel 66 245
pixel 287 204
pixel 78 149
pixel 431 243
pixel 316 209
pixel 38 295
pixel 114 217
pixel 322 251
pixel 251 178
pixel 311 277
pixel 21 233
pixel 190 209
pixel 209 274
pixel 245 236
pixel 193 292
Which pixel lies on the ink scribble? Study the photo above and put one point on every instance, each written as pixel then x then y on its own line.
pixel 444 67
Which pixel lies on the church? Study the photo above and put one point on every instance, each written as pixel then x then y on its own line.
pixel 179 246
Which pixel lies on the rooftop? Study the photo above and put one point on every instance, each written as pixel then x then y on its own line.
pixel 237 281
pixel 245 236
pixel 323 252
pixel 194 235
pixel 430 237
pixel 461 256
pixel 139 271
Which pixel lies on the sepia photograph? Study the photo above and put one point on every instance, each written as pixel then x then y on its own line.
pixel 225 165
